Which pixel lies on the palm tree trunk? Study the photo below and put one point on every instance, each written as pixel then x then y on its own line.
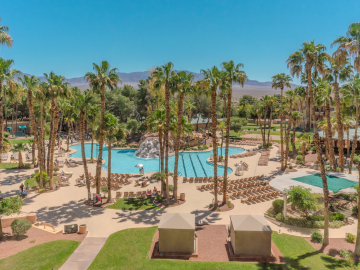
pixel 52 143
pixel 213 133
pixel 32 119
pixel 20 160
pixel 293 139
pixel 92 146
pixel 101 140
pixel 348 143
pixel 177 145
pixel 330 139
pixel 321 164
pixel 163 184
pixel 50 137
pixel 357 244
pixel 68 138
pixel 281 131
pixel 268 140
pixel 227 140
pixel 41 149
pixel 167 127
pixel 340 128
pixel 354 144
pixel 308 114
pixel 82 137
pixel 287 137
pixel 109 172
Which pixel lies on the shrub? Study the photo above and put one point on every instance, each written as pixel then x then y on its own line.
pixel 278 206
pixel 356 159
pixel 299 153
pixel 27 166
pixel 316 218
pixel 316 236
pixel 211 205
pixel 45 177
pixel 290 166
pixel 56 169
pixel 167 204
pixel 206 147
pixel 337 216
pixel 20 226
pixel 280 216
pixel 355 210
pixel 299 159
pixel 229 204
pixel 350 237
pixel 269 144
pixel 313 149
pixel 159 198
pixel 345 196
pixel 218 209
pixel 260 147
pixel 210 145
pixel 271 213
pixel 104 189
pixel 42 190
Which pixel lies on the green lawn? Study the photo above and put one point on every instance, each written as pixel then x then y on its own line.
pixel 27 140
pixel 33 183
pixel 133 204
pixel 297 145
pixel 50 255
pixel 9 166
pixel 128 249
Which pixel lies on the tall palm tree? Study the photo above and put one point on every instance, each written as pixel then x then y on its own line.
pixel 281 81
pixel 31 83
pixel 300 93
pixel 83 104
pixel 58 88
pixel 232 74
pixel 163 76
pixel 351 92
pixel 181 84
pixel 324 97
pixel 104 77
pixel 20 147
pixel 290 97
pixel 349 45
pixel 189 107
pixel 296 116
pixel 5 38
pixel 270 102
pixel 213 78
pixel 6 76
pixel 339 71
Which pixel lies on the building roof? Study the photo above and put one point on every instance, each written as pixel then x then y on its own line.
pixel 177 221
pixel 335 136
pixel 202 120
pixel 250 223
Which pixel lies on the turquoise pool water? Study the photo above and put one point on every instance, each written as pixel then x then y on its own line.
pixel 192 164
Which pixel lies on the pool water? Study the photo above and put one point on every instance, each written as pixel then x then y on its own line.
pixel 192 164
pixel 334 183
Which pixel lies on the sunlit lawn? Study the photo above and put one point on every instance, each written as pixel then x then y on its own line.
pixel 133 204
pixel 50 255
pixel 33 183
pixel 9 166
pixel 128 249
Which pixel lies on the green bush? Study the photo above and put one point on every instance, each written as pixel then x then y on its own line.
pixel 260 146
pixel 56 169
pixel 271 213
pixel 290 166
pixel 299 153
pixel 337 216
pixel 355 210
pixel 27 166
pixel 345 196
pixel 278 206
pixel 20 226
pixel 299 159
pixel 45 177
pixel 269 144
pixel 159 198
pixel 316 236
pixel 313 149
pixel 42 190
pixel 104 189
pixel 316 218
pixel 350 237
pixel 356 159
pixel 280 216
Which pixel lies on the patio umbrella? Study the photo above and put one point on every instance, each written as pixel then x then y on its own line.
pixel 139 166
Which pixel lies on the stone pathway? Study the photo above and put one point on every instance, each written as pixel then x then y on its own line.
pixel 84 254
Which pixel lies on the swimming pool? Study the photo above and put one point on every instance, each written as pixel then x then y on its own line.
pixel 193 164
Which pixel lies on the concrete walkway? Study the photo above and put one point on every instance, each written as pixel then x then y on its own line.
pixel 84 254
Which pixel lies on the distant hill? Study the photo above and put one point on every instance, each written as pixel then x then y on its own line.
pixel 251 87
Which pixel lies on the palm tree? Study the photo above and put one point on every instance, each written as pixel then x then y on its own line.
pixel 5 38
pixel 83 104
pixel 6 75
pixel 188 107
pixel 349 46
pixel 339 71
pixel 232 74
pixel 295 116
pixel 110 128
pixel 98 81
pixel 324 97
pixel 93 120
pixel 300 93
pixel 58 88
pixel 281 81
pixel 351 92
pixel 270 102
pixel 69 117
pixel 182 84
pixel 20 147
pixel 163 76
pixel 31 83
pixel 290 97
pixel 213 78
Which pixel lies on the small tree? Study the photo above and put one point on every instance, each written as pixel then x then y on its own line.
pixel 10 206
pixel 236 123
pixel 104 189
pixel 20 226
pixel 302 198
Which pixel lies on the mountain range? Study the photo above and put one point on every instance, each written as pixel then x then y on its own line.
pixel 251 87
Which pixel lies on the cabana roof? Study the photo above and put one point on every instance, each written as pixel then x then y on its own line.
pixel 177 221
pixel 251 223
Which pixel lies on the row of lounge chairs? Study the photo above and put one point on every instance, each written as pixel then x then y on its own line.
pixel 252 190
pixel 197 179
pixel 264 158
pixel 258 197
pixel 245 185
pixel 121 175
pixel 248 142
pixel 4 156
pixel 246 154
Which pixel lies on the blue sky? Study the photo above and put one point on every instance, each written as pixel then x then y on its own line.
pixel 68 36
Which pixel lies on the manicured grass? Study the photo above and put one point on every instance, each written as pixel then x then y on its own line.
pixel 33 183
pixel 27 140
pixel 297 145
pixel 128 249
pixel 133 204
pixel 9 166
pixel 50 255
